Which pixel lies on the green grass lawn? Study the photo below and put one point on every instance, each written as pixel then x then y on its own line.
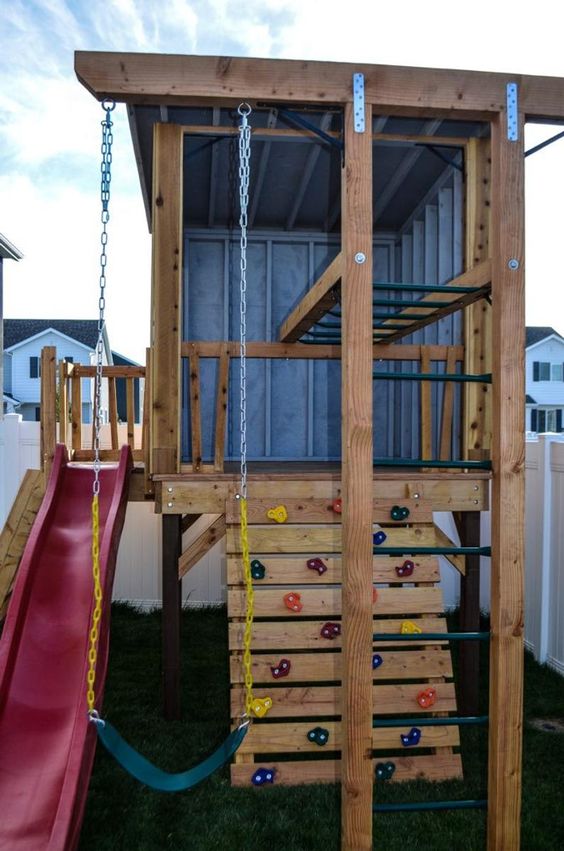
pixel 121 814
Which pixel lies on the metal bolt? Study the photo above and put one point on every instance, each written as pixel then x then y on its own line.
pixel 169 490
pixel 415 496
pixel 475 502
pixel 513 264
pixel 360 258
pixel 476 487
pixel 169 504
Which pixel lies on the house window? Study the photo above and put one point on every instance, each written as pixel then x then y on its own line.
pixel 68 359
pixel 546 371
pixel 547 419
pixel 37 414
pixel 34 367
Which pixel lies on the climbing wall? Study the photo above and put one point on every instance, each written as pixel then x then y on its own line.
pixel 296 641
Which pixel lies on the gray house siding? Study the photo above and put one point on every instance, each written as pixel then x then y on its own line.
pixel 294 409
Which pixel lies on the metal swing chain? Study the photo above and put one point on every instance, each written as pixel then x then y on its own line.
pixel 244 176
pixel 105 179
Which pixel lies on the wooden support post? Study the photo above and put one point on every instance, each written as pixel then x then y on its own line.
pixel 357 455
pixel 508 489
pixel 221 409
pixel 146 431
pixel 166 297
pixel 113 413
pixel 477 422
pixel 130 408
pixel 172 606
pixel 48 407
pixel 195 413
pixel 63 400
pixel 426 409
pixel 76 411
pixel 469 651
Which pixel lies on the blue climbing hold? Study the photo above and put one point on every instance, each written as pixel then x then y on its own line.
pixel 376 661
pixel 262 776
pixel 379 537
pixel 412 738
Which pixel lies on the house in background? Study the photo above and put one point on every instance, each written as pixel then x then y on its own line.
pixel 7 252
pixel 544 378
pixel 75 341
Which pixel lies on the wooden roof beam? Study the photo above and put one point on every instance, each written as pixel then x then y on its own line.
pixel 175 79
pixel 315 304
pixel 311 162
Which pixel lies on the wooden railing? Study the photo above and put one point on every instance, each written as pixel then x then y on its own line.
pixel 61 404
pixel 425 355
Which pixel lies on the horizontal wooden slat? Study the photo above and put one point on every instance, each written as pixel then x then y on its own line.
pixel 83 371
pixel 303 351
pixel 324 667
pixel 292 738
pixel 442 766
pixel 303 701
pixel 327 602
pixel 305 635
pixel 454 492
pixel 292 571
pixel 87 455
pixel 319 539
pixel 321 511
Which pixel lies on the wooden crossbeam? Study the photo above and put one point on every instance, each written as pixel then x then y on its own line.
pixel 315 304
pixel 212 532
pixel 394 90
pixel 302 351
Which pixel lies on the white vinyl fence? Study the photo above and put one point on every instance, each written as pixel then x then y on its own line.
pixel 138 576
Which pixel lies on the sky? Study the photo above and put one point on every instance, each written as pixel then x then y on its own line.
pixel 50 126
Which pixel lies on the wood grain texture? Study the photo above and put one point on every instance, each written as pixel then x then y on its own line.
pixel 221 409
pixel 213 531
pixel 159 78
pixel 195 413
pixel 326 602
pixel 426 411
pixel 324 667
pixel 477 422
pixel 302 351
pixel 321 511
pixel 314 305
pixel 166 297
pixel 324 539
pixel 434 768
pixel 292 738
pixel 305 635
pixel 447 413
pixel 508 491
pixel 312 700
pixel 199 495
pixel 48 428
pixel 294 571
pixel 357 454
pixel 15 533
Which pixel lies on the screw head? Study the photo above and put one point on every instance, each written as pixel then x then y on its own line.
pixel 169 490
pixel 169 504
pixel 415 496
pixel 360 258
pixel 513 264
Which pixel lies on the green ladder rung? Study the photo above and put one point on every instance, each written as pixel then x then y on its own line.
pixel 460 721
pixel 485 378
pixel 435 462
pixel 424 288
pixel 477 804
pixel 431 551
pixel 431 636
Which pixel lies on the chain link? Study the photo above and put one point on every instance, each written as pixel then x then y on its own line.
pixel 105 180
pixel 106 176
pixel 244 175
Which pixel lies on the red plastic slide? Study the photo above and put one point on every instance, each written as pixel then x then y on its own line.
pixel 46 741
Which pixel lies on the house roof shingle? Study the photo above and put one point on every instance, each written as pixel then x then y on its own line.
pixel 536 333
pixel 83 330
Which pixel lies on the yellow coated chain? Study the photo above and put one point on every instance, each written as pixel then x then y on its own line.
pixel 249 614
pixel 97 613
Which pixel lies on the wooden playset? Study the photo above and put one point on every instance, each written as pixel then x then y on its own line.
pixel 385 317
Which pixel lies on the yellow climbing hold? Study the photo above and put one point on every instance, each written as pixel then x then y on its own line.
pixel 261 705
pixel 279 514
pixel 408 628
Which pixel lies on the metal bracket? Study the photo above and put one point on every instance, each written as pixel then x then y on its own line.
pixel 512 112
pixel 358 102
